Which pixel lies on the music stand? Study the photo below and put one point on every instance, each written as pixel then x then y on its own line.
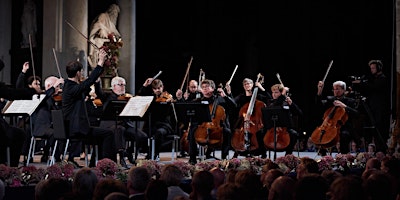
pixel 193 112
pixel 113 109
pixel 273 117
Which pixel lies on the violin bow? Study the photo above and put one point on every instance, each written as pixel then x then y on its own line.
pixel 55 58
pixel 33 62
pixel 187 72
pixel 90 42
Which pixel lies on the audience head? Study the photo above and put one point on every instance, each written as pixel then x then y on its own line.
pixel 330 175
pixel 53 188
pixel 372 163
pixel 202 185
pixel 282 188
pixel 230 191
pixel 307 166
pixel 230 175
pixel 270 177
pixel 311 187
pixel 156 190
pixel 346 187
pixel 380 185
pixel 85 181
pixel 107 186
pixel 117 196
pixel 138 178
pixel 171 174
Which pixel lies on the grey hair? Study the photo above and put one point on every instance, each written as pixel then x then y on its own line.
pixel 340 83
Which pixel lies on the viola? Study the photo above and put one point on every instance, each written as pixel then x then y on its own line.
pixel 97 102
pixel 327 135
pixel 124 97
pixel 57 97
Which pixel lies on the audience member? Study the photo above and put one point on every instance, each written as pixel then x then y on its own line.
pixel 156 190
pixel 306 166
pixel 230 191
pixel 250 183
pixel 282 188
pixel 173 176
pixel 85 181
pixel 346 187
pixel 202 185
pixel 219 179
pixel 53 188
pixel 116 196
pixel 107 186
pixel 311 187
pixel 138 179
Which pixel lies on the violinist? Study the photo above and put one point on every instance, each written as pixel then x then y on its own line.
pixel 338 100
pixel 73 104
pixel 162 117
pixel 243 99
pixel 41 118
pixel 123 128
pixel 279 98
pixel 213 95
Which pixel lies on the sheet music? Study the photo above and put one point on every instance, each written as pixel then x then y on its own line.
pixel 23 106
pixel 137 106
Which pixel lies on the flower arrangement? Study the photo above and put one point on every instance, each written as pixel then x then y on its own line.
pixel 186 168
pixel 112 48
pixel 151 165
pixel 326 163
pixel 106 168
pixel 288 162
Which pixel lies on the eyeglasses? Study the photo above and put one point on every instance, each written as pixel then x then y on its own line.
pixel 122 85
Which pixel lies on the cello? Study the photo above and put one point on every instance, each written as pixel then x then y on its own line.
pixel 250 118
pixel 277 138
pixel 327 135
pixel 211 133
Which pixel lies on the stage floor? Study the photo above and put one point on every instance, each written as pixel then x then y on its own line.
pixel 166 157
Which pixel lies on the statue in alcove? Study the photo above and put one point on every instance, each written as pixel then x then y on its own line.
pixel 28 24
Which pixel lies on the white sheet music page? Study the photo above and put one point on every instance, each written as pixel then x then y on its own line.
pixel 137 106
pixel 23 106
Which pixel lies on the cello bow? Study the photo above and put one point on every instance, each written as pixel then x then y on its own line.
pixel 187 72
pixel 327 71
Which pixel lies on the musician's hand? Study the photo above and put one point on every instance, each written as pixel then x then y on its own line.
pixel 289 100
pixel 259 85
pixel 148 82
pixel 58 82
pixel 178 94
pixel 228 88
pixel 25 67
pixel 102 57
pixel 320 86
pixel 339 104
pixel 221 92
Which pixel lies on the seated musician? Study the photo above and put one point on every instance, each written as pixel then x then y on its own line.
pixel 190 94
pixel 244 99
pixel 41 119
pixel 280 98
pixel 338 100
pixel 218 96
pixel 123 128
pixel 162 120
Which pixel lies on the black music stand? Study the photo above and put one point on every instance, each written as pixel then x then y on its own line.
pixel 193 112
pixel 273 117
pixel 113 109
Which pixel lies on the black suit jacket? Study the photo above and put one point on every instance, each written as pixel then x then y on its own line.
pixel 73 103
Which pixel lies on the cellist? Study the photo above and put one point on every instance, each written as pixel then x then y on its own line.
pixel 338 100
pixel 213 95
pixel 280 98
pixel 243 99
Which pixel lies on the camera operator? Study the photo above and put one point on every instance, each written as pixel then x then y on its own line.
pixel 375 87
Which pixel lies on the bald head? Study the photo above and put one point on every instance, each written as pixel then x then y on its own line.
pixel 49 82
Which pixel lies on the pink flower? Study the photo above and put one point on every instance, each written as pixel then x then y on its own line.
pixel 106 168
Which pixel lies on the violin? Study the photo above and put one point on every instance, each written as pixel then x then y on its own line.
pixel 327 135
pixel 57 97
pixel 124 97
pixel 97 102
pixel 165 97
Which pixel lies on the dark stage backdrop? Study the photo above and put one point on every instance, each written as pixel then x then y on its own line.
pixel 296 39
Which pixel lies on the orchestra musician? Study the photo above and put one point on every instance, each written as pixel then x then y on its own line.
pixel 123 128
pixel 192 93
pixel 162 119
pixel 75 112
pixel 338 100
pixel 280 98
pixel 243 99
pixel 41 118
pixel 213 95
